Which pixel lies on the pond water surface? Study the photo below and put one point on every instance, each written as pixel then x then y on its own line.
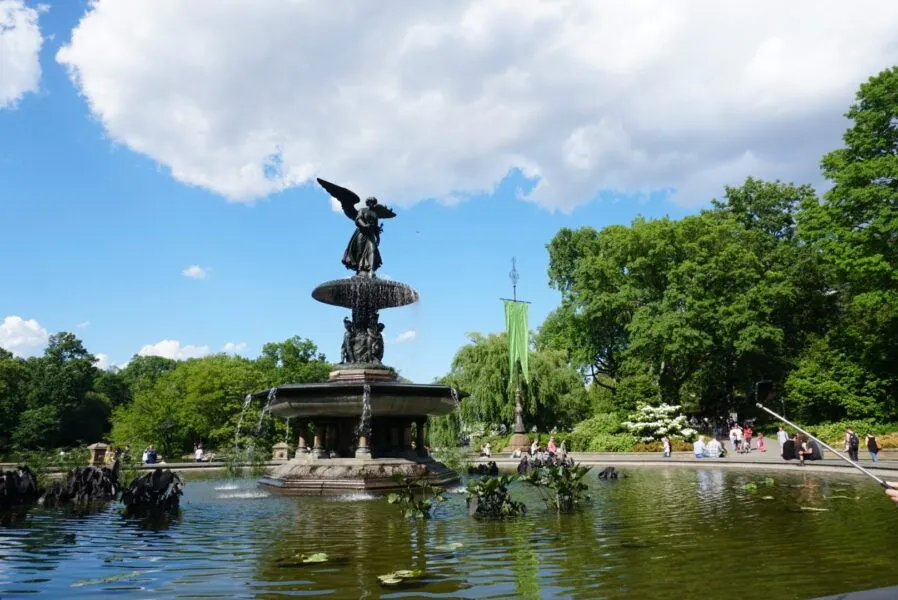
pixel 675 533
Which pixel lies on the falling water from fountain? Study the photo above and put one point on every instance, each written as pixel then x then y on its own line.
pixel 246 402
pixel 365 421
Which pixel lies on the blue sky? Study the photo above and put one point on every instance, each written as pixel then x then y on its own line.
pixel 99 226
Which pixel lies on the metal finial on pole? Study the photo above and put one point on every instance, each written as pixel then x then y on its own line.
pixel 513 275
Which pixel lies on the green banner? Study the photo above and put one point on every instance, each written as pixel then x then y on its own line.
pixel 518 337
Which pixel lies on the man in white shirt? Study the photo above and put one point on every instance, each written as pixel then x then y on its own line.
pixel 713 448
pixel 698 447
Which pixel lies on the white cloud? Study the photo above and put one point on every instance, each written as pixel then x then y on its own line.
pixel 406 336
pixel 103 361
pixel 83 325
pixel 442 99
pixel 173 349
pixel 20 46
pixel 234 347
pixel 196 272
pixel 22 337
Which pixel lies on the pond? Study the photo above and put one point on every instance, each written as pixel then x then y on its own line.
pixel 674 533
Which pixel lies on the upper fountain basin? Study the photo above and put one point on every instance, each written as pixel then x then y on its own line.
pixel 344 399
pixel 353 291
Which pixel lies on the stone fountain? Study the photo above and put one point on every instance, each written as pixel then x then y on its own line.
pixel 361 419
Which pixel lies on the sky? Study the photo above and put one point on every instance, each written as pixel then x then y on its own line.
pixel 157 159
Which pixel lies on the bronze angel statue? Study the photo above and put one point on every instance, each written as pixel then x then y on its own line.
pixel 363 251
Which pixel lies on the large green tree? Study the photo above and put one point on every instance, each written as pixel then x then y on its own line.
pixel 693 311
pixel 62 407
pixel 852 370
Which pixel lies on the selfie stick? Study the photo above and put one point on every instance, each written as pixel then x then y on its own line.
pixel 828 447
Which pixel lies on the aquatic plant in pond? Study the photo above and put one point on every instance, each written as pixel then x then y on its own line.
pixel 415 497
pixel 561 486
pixel 489 499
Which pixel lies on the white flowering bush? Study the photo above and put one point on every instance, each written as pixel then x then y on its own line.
pixel 651 423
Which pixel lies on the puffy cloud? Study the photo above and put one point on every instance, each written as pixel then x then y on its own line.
pixel 443 99
pixel 103 361
pixel 173 349
pixel 234 347
pixel 406 336
pixel 20 46
pixel 196 272
pixel 22 337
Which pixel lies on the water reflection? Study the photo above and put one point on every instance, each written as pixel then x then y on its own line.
pixel 646 536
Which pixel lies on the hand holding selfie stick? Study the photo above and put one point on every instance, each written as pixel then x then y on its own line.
pixel 828 447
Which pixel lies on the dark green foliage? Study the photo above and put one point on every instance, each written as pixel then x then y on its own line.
pixel 561 486
pixel 488 499
pixel 60 399
pixel 415 497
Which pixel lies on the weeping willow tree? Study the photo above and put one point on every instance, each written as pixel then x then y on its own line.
pixel 554 396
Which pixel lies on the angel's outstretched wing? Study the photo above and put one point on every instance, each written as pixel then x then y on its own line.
pixel 383 212
pixel 347 198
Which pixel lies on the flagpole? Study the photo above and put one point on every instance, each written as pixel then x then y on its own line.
pixel 519 439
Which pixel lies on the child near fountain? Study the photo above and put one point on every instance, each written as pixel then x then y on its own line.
pixel 761 447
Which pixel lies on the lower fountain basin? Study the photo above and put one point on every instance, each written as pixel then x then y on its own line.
pixel 309 475
pixel 344 399
pixel 350 292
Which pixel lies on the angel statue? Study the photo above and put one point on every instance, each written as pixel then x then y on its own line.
pixel 362 253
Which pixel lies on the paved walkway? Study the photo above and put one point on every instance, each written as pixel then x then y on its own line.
pixel 887 467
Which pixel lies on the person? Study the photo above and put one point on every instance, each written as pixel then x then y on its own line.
pixel 746 437
pixel 486 450
pixel 790 449
pixel 873 447
pixel 852 444
pixel 151 455
pixel 893 491
pixel 734 437
pixel 739 438
pixel 698 447
pixel 713 449
pixel 534 447
pixel 198 453
pixel 146 455
pixel 804 451
pixel 781 437
pixel 761 446
pixel 551 447
pixel 665 441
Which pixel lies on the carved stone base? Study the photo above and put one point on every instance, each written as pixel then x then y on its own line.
pixel 341 475
pixel 518 441
pixel 362 373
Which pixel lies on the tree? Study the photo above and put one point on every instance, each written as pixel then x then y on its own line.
pixel 554 397
pixel 142 372
pixel 14 384
pixel 689 312
pixel 295 360
pixel 854 231
pixel 62 408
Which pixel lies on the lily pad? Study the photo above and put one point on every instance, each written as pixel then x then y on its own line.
pixel 399 577
pixel 318 557
pixel 750 487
